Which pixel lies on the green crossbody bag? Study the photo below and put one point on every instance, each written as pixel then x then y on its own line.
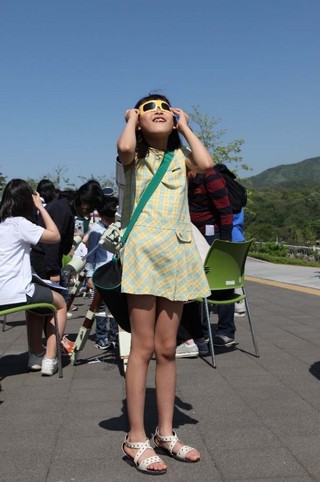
pixel 107 278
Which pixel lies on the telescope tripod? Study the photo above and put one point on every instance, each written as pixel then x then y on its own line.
pixel 85 329
pixel 75 288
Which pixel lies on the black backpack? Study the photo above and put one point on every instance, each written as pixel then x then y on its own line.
pixel 237 193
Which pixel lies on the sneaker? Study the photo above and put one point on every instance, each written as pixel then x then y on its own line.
pixel 69 315
pixel 203 348
pixel 35 361
pixel 223 340
pixel 49 366
pixel 67 346
pixel 102 344
pixel 187 351
pixel 239 314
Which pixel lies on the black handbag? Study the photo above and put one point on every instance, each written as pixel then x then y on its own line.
pixel 107 278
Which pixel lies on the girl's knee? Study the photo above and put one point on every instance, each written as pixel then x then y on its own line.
pixel 145 350
pixel 58 301
pixel 165 351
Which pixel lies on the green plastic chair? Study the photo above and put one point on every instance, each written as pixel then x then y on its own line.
pixel 35 306
pixel 224 267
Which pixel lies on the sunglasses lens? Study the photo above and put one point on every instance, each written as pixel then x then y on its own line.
pixel 165 106
pixel 149 106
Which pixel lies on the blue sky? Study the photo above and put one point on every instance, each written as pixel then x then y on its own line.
pixel 70 68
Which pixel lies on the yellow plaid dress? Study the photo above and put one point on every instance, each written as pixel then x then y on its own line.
pixel 160 257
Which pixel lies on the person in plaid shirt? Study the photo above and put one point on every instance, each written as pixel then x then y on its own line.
pixel 209 205
pixel 211 213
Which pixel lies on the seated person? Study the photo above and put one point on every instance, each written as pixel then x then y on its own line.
pixel 18 232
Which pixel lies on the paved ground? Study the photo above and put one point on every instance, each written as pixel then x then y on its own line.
pixel 252 419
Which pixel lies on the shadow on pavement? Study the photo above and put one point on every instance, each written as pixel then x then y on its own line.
pixel 315 370
pixel 15 364
pixel 120 424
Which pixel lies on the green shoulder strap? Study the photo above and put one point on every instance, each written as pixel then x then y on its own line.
pixel 155 181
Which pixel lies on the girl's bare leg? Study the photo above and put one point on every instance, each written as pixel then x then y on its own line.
pixel 168 319
pixel 60 304
pixel 168 316
pixel 142 309
pixel 35 325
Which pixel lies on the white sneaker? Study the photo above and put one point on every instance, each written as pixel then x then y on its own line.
pixel 239 314
pixel 49 366
pixel 187 351
pixel 69 315
pixel 34 362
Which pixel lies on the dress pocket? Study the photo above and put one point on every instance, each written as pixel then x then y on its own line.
pixel 183 236
pixel 174 177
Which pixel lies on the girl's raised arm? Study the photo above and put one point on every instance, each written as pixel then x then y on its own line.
pixel 51 233
pixel 199 159
pixel 127 141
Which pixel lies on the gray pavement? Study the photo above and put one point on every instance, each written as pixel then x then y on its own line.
pixel 253 419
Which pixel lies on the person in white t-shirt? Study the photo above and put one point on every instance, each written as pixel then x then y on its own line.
pixel 18 232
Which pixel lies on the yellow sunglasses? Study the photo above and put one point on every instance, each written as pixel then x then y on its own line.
pixel 152 105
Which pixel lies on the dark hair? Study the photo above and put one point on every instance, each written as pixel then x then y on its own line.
pixel 46 190
pixel 17 200
pixel 174 141
pixel 109 208
pixel 69 194
pixel 89 193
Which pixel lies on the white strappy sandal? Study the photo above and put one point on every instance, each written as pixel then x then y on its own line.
pixel 143 465
pixel 172 440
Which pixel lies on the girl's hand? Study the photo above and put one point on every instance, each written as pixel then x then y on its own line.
pixel 37 200
pixel 182 118
pixel 55 279
pixel 90 284
pixel 132 114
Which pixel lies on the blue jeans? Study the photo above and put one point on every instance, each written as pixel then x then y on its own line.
pixel 226 324
pixel 101 323
pixel 101 327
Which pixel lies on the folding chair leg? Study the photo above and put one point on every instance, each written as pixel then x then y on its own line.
pixel 251 326
pixel 210 332
pixel 4 321
pixel 56 329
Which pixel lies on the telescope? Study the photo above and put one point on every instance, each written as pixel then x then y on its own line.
pixel 110 240
pixel 76 241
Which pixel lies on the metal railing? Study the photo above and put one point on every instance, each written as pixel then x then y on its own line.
pixel 308 253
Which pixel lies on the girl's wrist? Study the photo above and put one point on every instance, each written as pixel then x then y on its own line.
pixel 184 128
pixel 133 121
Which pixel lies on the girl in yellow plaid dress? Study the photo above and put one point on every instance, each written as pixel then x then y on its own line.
pixel 161 268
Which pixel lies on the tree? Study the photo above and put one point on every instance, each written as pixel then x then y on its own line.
pixel 205 128
pixel 59 178
pixel 3 181
pixel 32 182
pixel 289 215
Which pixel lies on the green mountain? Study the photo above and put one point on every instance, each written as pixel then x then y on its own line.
pixel 301 175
